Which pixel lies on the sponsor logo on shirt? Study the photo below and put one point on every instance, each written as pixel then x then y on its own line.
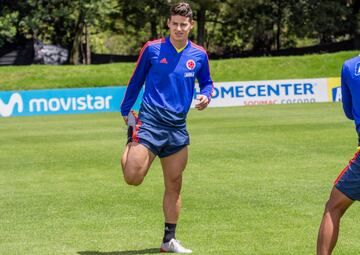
pixel 189 74
pixel 190 64
pixel 357 69
pixel 163 61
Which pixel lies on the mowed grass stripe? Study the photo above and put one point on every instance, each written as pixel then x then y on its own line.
pixel 118 74
pixel 256 183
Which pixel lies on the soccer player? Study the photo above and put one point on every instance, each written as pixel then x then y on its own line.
pixel 347 185
pixel 169 67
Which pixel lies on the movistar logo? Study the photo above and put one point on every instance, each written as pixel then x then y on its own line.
pixel 6 110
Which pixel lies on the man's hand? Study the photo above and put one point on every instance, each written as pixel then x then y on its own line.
pixel 203 102
pixel 125 119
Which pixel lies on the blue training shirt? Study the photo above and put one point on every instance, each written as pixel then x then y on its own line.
pixel 350 89
pixel 169 78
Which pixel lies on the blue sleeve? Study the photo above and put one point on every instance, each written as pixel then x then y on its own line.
pixel 345 93
pixel 205 81
pixel 136 81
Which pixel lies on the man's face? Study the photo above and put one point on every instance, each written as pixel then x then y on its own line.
pixel 179 27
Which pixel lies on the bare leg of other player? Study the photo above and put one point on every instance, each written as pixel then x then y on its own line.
pixel 335 208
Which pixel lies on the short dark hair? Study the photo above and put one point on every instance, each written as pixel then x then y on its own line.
pixel 181 9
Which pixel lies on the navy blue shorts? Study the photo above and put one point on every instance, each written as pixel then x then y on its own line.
pixel 161 141
pixel 348 181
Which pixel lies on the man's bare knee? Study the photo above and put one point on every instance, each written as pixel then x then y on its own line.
pixel 133 179
pixel 135 163
pixel 174 185
pixel 122 163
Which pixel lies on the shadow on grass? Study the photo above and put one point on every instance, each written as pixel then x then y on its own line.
pixel 134 252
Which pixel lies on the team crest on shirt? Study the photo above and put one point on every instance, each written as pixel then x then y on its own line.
pixel 190 64
pixel 357 69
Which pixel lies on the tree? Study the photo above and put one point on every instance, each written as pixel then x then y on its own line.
pixel 355 17
pixel 202 9
pixel 326 20
pixel 223 26
pixel 245 25
pixel 11 16
pixel 139 14
pixel 64 23
pixel 90 13
pixel 8 31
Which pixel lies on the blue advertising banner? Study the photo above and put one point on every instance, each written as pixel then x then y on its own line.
pixel 108 99
pixel 62 101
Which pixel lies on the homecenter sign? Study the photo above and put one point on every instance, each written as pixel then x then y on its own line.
pixel 108 99
pixel 270 92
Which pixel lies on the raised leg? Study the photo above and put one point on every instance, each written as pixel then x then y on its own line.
pixel 135 162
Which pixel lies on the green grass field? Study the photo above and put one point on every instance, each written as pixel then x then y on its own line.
pixel 256 183
pixel 240 69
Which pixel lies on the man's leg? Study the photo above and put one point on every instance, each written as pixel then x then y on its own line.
pixel 135 162
pixel 335 208
pixel 173 167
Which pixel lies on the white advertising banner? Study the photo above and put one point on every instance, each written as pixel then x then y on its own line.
pixel 269 92
pixel 108 99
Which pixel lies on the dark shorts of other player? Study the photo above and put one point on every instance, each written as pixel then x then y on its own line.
pixel 348 181
pixel 161 141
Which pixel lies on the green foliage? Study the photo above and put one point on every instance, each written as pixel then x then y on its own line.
pixel 224 27
pixel 55 21
pixel 8 26
pixel 331 20
pixel 111 43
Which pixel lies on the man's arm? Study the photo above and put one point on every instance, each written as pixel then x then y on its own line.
pixel 206 85
pixel 136 82
pixel 346 94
